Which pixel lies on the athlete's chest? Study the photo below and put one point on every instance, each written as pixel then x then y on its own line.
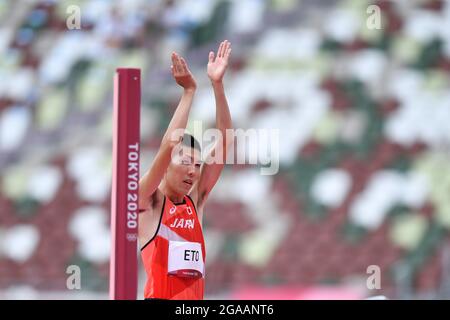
pixel 181 217
pixel 182 223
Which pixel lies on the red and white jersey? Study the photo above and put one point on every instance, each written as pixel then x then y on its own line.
pixel 174 259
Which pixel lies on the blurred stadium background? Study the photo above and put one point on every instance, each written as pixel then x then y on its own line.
pixel 364 119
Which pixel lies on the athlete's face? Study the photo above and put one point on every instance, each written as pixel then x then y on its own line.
pixel 184 169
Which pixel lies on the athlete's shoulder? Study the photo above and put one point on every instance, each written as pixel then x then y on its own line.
pixel 197 198
pixel 191 201
pixel 151 202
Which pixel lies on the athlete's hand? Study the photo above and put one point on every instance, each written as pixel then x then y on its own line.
pixel 181 73
pixel 217 65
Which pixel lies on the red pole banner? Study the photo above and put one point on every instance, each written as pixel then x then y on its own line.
pixel 125 184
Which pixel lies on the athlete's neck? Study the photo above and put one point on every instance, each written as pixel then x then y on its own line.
pixel 170 193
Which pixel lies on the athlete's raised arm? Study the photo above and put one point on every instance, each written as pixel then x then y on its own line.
pixel 210 171
pixel 152 178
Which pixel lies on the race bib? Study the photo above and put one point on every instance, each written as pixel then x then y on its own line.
pixel 185 259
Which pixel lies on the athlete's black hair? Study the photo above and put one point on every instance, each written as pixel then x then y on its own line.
pixel 189 141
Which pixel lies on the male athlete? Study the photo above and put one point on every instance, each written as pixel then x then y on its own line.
pixel 173 192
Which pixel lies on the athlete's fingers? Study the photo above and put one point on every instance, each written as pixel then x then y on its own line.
pixel 219 51
pixel 184 66
pixel 228 53
pixel 226 44
pixel 175 62
pixel 179 64
pixel 227 50
pixel 211 56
